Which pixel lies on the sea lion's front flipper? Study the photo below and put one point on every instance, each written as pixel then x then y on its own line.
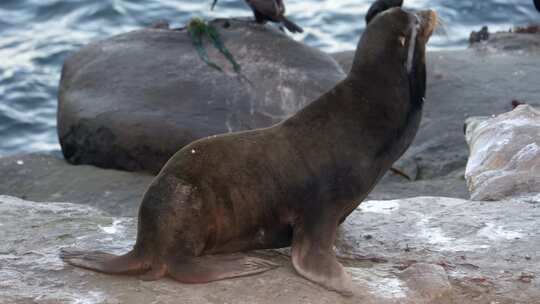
pixel 313 256
pixel 105 262
pixel 216 267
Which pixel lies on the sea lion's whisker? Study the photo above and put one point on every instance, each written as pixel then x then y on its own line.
pixel 441 27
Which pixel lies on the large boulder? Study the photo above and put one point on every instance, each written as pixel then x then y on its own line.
pixel 131 101
pixel 420 250
pixel 505 154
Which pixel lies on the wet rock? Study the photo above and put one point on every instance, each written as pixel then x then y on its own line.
pixel 505 154
pixel 41 177
pixel 133 100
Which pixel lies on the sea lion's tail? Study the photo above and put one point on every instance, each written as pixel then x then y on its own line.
pixel 291 26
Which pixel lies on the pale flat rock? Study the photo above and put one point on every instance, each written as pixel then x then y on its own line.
pixel 33 233
pixel 482 254
pixel 484 246
pixel 505 154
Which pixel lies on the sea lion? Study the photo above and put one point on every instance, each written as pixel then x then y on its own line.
pixel 380 6
pixel 289 184
pixel 271 10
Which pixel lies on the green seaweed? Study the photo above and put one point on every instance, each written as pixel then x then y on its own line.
pixel 198 28
pixel 213 34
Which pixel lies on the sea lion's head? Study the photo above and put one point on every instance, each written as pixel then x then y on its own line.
pixel 380 6
pixel 392 49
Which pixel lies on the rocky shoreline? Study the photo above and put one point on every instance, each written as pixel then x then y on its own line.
pixel 419 250
pixel 417 240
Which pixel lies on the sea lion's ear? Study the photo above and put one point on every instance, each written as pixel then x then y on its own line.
pixel 380 6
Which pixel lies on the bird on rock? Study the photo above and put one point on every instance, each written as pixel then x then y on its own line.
pixel 380 6
pixel 271 10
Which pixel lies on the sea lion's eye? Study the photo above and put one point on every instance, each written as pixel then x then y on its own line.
pixel 402 40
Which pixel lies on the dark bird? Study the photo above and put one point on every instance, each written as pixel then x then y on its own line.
pixel 381 5
pixel 271 10
pixel 537 4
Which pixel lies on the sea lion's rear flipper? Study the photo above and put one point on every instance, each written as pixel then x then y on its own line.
pixel 104 262
pixel 216 267
pixel 313 256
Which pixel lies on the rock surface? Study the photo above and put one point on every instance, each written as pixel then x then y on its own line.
pixel 131 101
pixel 505 154
pixel 461 84
pixel 40 177
pixel 420 250
pixel 483 246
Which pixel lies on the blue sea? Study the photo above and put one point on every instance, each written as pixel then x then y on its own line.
pixel 37 35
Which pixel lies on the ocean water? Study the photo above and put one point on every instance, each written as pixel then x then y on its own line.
pixel 37 35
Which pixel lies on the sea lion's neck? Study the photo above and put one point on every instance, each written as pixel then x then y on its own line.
pixel 393 110
pixel 368 105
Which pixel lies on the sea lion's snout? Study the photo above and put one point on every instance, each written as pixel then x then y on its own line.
pixel 428 21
